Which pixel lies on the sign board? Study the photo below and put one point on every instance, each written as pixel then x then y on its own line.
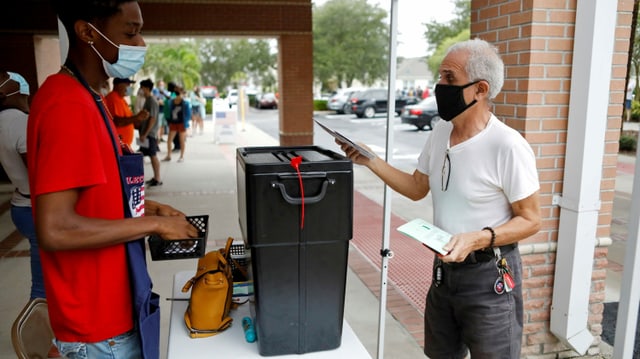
pixel 225 122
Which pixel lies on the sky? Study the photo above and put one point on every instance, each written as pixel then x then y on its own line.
pixel 412 14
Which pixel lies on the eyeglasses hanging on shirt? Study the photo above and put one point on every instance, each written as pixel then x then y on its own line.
pixel 446 171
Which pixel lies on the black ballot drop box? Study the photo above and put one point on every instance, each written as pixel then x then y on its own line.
pixel 298 265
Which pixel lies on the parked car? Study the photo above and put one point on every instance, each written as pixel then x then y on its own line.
pixel 369 102
pixel 423 114
pixel 232 97
pixel 209 92
pixel 267 100
pixel 339 101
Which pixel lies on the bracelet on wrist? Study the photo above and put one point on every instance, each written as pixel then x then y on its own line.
pixel 493 236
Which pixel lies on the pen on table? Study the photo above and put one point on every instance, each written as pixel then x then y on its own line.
pixel 177 299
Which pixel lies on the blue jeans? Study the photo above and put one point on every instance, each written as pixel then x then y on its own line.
pixel 23 220
pixel 123 346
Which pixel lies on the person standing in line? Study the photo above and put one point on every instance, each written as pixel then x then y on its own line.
pixel 484 183
pixel 122 115
pixel 139 103
pixel 87 193
pixel 161 95
pixel 14 112
pixel 186 104
pixel 180 114
pixel 198 103
pixel 171 89
pixel 628 101
pixel 149 130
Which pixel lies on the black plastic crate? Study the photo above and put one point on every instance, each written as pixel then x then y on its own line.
pixel 298 272
pixel 238 250
pixel 239 261
pixel 183 248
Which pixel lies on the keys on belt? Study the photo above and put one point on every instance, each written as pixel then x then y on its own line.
pixel 504 282
pixel 437 273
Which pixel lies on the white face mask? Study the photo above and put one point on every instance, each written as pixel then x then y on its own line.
pixel 130 59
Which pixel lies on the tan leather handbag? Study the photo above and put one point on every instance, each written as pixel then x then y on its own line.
pixel 211 292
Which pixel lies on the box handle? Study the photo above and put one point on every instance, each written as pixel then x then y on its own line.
pixel 298 200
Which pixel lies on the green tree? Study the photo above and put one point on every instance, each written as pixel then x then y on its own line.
pixel 634 53
pixel 350 42
pixel 217 64
pixel 440 36
pixel 437 32
pixel 174 61
pixel 231 62
pixel 438 55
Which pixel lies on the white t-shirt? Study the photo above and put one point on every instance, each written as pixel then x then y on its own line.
pixel 13 142
pixel 487 173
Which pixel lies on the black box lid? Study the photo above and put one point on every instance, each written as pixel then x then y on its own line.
pixel 278 159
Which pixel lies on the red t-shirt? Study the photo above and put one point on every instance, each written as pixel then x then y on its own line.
pixel 68 147
pixel 120 108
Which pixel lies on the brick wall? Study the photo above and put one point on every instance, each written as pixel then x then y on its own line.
pixel 295 53
pixel 535 39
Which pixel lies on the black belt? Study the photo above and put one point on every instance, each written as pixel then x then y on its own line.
pixel 482 255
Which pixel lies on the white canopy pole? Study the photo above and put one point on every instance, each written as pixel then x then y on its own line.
pixel 385 252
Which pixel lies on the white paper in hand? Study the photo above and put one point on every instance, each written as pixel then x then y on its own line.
pixel 425 232
pixel 143 144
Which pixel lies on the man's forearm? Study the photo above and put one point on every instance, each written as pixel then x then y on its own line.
pixel 152 122
pixel 123 121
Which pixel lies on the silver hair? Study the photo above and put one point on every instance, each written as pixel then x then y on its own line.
pixel 483 63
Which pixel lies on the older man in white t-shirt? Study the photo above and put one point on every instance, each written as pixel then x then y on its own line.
pixel 484 183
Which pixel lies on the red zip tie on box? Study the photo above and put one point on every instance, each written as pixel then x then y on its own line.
pixel 295 163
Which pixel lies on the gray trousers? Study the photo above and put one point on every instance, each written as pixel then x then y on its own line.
pixel 464 313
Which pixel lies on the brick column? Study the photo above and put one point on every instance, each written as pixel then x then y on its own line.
pixel 295 54
pixel 535 39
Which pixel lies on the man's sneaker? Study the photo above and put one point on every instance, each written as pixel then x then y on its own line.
pixel 153 182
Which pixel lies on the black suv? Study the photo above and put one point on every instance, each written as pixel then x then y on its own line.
pixel 369 102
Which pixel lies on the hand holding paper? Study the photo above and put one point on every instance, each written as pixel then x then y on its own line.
pixel 144 144
pixel 425 232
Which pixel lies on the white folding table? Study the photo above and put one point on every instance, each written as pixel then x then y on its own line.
pixel 231 343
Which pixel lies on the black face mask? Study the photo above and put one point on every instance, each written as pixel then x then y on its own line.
pixel 450 100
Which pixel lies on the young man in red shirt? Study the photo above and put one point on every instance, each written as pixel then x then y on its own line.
pixel 98 289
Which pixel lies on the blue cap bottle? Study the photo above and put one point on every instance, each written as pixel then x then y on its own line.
pixel 249 330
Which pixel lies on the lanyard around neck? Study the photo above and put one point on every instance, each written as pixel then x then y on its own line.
pixel 107 122
pixel 98 100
